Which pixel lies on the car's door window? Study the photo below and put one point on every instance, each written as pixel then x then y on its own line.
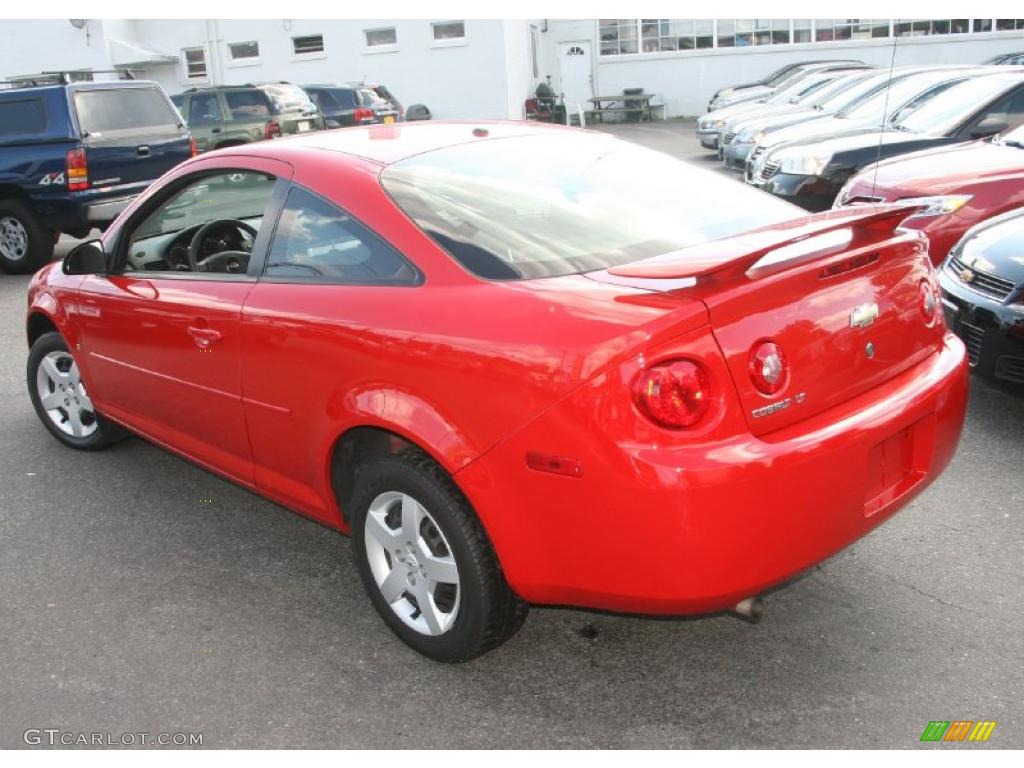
pixel 208 226
pixel 203 109
pixel 247 105
pixel 317 241
pixel 1009 110
pixel 323 100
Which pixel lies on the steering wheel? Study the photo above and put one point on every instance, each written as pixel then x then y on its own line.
pixel 233 262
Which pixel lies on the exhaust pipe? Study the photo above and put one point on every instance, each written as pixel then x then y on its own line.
pixel 750 609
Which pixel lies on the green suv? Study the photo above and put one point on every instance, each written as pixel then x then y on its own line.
pixel 227 115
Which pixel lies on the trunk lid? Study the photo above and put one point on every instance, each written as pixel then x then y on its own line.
pixel 821 297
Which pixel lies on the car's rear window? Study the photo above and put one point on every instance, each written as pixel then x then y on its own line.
pixel 549 205
pixel 288 98
pixel 22 117
pixel 122 109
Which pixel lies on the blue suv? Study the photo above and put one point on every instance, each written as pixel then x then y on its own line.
pixel 73 155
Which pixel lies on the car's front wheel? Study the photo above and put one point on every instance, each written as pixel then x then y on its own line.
pixel 427 563
pixel 60 398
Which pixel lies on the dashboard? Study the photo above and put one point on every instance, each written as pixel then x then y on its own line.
pixel 169 252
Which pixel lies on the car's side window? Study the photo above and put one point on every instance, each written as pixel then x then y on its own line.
pixel 210 225
pixel 318 242
pixel 204 108
pixel 247 105
pixel 1009 109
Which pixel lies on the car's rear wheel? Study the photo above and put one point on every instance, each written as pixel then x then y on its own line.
pixel 25 244
pixel 60 399
pixel 426 562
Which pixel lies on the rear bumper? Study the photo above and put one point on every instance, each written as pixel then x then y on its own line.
pixel 106 211
pixel 89 208
pixel 992 332
pixel 693 528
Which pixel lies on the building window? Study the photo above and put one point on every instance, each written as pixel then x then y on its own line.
pixel 308 44
pixel 918 27
pixel 382 36
pixel 448 30
pixel 801 30
pixel 243 51
pixel 195 63
pixel 676 34
pixel 983 25
pixel 850 29
pixel 618 36
pixel 1008 24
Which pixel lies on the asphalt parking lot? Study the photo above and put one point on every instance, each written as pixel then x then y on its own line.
pixel 139 593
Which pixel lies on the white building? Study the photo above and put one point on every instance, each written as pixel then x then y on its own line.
pixel 465 68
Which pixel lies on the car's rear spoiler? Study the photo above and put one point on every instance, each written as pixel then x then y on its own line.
pixel 732 257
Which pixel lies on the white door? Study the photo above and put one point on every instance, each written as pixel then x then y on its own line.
pixel 575 69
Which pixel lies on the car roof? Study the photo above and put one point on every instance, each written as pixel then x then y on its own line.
pixel 385 144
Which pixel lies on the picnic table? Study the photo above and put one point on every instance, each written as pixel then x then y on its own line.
pixel 629 103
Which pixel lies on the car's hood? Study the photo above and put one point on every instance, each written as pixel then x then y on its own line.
pixel 997 247
pixel 855 140
pixel 777 120
pixel 746 94
pixel 766 111
pixel 947 169
pixel 814 128
pixel 727 113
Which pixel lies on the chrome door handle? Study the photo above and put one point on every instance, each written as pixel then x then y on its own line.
pixel 204 337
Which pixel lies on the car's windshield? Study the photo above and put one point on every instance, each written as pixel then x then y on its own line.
pixel 288 98
pixel 837 89
pixel 778 75
pixel 847 96
pixel 798 89
pixel 542 206
pixel 953 105
pixel 885 102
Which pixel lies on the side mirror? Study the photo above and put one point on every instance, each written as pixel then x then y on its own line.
pixel 86 259
pixel 417 112
pixel 988 127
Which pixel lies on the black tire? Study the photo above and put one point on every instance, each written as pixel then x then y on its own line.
pixel 37 251
pixel 105 432
pixel 489 613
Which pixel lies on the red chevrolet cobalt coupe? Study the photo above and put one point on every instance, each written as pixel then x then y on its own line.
pixel 519 364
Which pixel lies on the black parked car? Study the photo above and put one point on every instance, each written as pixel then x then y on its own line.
pixel 383 92
pixel 345 105
pixel 983 295
pixel 810 173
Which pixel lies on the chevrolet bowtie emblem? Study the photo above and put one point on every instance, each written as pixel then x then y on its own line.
pixel 863 316
pixel 966 275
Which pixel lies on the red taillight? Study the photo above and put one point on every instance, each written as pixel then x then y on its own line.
pixel 272 130
pixel 77 169
pixel 674 394
pixel 767 367
pixel 362 114
pixel 927 302
pixel 193 147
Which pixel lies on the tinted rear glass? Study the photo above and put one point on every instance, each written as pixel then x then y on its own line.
pixel 288 98
pixel 542 206
pixel 21 117
pixel 345 98
pixel 120 109
pixel 247 105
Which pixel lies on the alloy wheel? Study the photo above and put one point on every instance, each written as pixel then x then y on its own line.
pixel 63 396
pixel 411 563
pixel 13 239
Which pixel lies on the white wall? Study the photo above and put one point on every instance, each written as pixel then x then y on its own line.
pixel 29 46
pixel 684 81
pixel 461 80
